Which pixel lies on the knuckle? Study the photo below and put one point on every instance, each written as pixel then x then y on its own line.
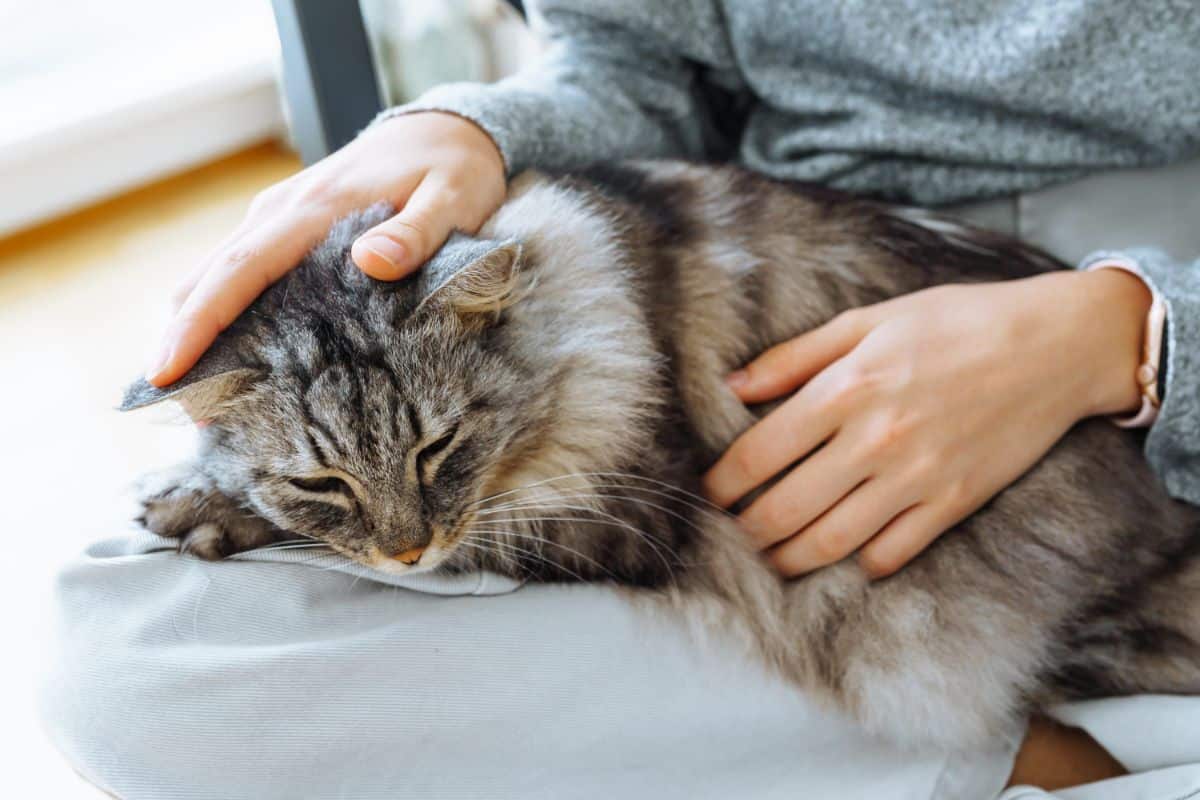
pixel 924 464
pixel 848 386
pixel 832 393
pixel 770 518
pixel 960 494
pixel 454 189
pixel 315 191
pixel 743 459
pixel 240 257
pixel 300 196
pixel 878 564
pixel 882 436
pixel 457 203
pixel 829 545
pixel 414 228
pixel 886 433
pixel 786 562
pixel 265 199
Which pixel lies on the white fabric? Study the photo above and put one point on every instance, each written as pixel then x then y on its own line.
pixel 179 678
pixel 316 678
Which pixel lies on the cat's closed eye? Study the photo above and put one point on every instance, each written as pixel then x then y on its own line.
pixel 439 445
pixel 323 485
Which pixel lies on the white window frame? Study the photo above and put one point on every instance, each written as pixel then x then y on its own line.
pixel 196 113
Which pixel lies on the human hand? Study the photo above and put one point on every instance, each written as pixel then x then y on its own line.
pixel 914 412
pixel 442 172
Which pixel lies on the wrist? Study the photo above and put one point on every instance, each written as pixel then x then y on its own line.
pixel 468 133
pixel 1112 308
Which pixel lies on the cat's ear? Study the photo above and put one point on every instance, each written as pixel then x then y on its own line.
pixel 218 377
pixel 474 278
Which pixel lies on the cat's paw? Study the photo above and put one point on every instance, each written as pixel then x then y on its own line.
pixel 181 504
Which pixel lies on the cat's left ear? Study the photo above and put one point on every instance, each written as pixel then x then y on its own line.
pixel 475 278
pixel 208 388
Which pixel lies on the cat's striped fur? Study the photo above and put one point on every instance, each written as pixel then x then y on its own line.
pixel 541 400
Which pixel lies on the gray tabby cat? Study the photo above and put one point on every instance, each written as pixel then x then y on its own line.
pixel 541 400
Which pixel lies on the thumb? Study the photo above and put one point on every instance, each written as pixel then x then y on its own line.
pixel 396 247
pixel 787 366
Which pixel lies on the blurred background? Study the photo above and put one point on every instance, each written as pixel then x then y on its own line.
pixel 133 134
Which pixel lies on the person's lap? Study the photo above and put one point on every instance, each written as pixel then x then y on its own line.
pixel 293 678
pixel 183 678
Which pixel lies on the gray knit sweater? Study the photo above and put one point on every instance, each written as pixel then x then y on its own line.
pixel 924 101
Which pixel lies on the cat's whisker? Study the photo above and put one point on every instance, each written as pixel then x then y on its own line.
pixel 599 518
pixel 543 558
pixel 529 552
pixel 552 506
pixel 296 546
pixel 556 502
pixel 702 501
pixel 610 520
pixel 708 508
pixel 490 550
pixel 615 497
pixel 525 487
pixel 522 535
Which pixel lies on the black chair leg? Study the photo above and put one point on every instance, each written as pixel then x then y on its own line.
pixel 329 79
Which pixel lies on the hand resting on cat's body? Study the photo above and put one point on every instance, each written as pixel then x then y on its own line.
pixel 541 400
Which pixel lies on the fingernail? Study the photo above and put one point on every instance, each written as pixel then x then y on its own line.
pixel 738 379
pixel 159 362
pixel 389 250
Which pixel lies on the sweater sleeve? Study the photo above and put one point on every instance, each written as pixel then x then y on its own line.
pixel 1173 442
pixel 607 88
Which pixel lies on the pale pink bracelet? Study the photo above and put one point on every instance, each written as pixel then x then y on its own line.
pixel 1147 372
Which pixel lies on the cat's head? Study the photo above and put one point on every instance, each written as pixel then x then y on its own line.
pixel 369 415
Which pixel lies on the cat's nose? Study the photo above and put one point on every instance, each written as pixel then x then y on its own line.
pixel 411 556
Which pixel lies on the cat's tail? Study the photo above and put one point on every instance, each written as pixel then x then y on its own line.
pixel 1147 641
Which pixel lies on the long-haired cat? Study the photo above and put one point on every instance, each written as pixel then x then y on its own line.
pixel 541 400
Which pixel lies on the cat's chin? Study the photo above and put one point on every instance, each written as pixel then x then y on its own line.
pixel 432 558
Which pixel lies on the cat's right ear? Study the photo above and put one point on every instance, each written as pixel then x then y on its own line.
pixel 473 278
pixel 218 377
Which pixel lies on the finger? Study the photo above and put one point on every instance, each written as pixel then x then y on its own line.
pixel 905 537
pixel 229 244
pixel 274 201
pixel 399 245
pixel 788 433
pixel 237 276
pixel 841 530
pixel 786 366
pixel 804 494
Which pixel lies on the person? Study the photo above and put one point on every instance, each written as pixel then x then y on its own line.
pixel 943 397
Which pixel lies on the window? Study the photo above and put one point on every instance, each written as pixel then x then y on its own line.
pixel 99 97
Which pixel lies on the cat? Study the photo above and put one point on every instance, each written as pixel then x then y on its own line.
pixel 540 400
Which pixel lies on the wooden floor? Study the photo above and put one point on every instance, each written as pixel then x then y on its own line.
pixel 81 304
